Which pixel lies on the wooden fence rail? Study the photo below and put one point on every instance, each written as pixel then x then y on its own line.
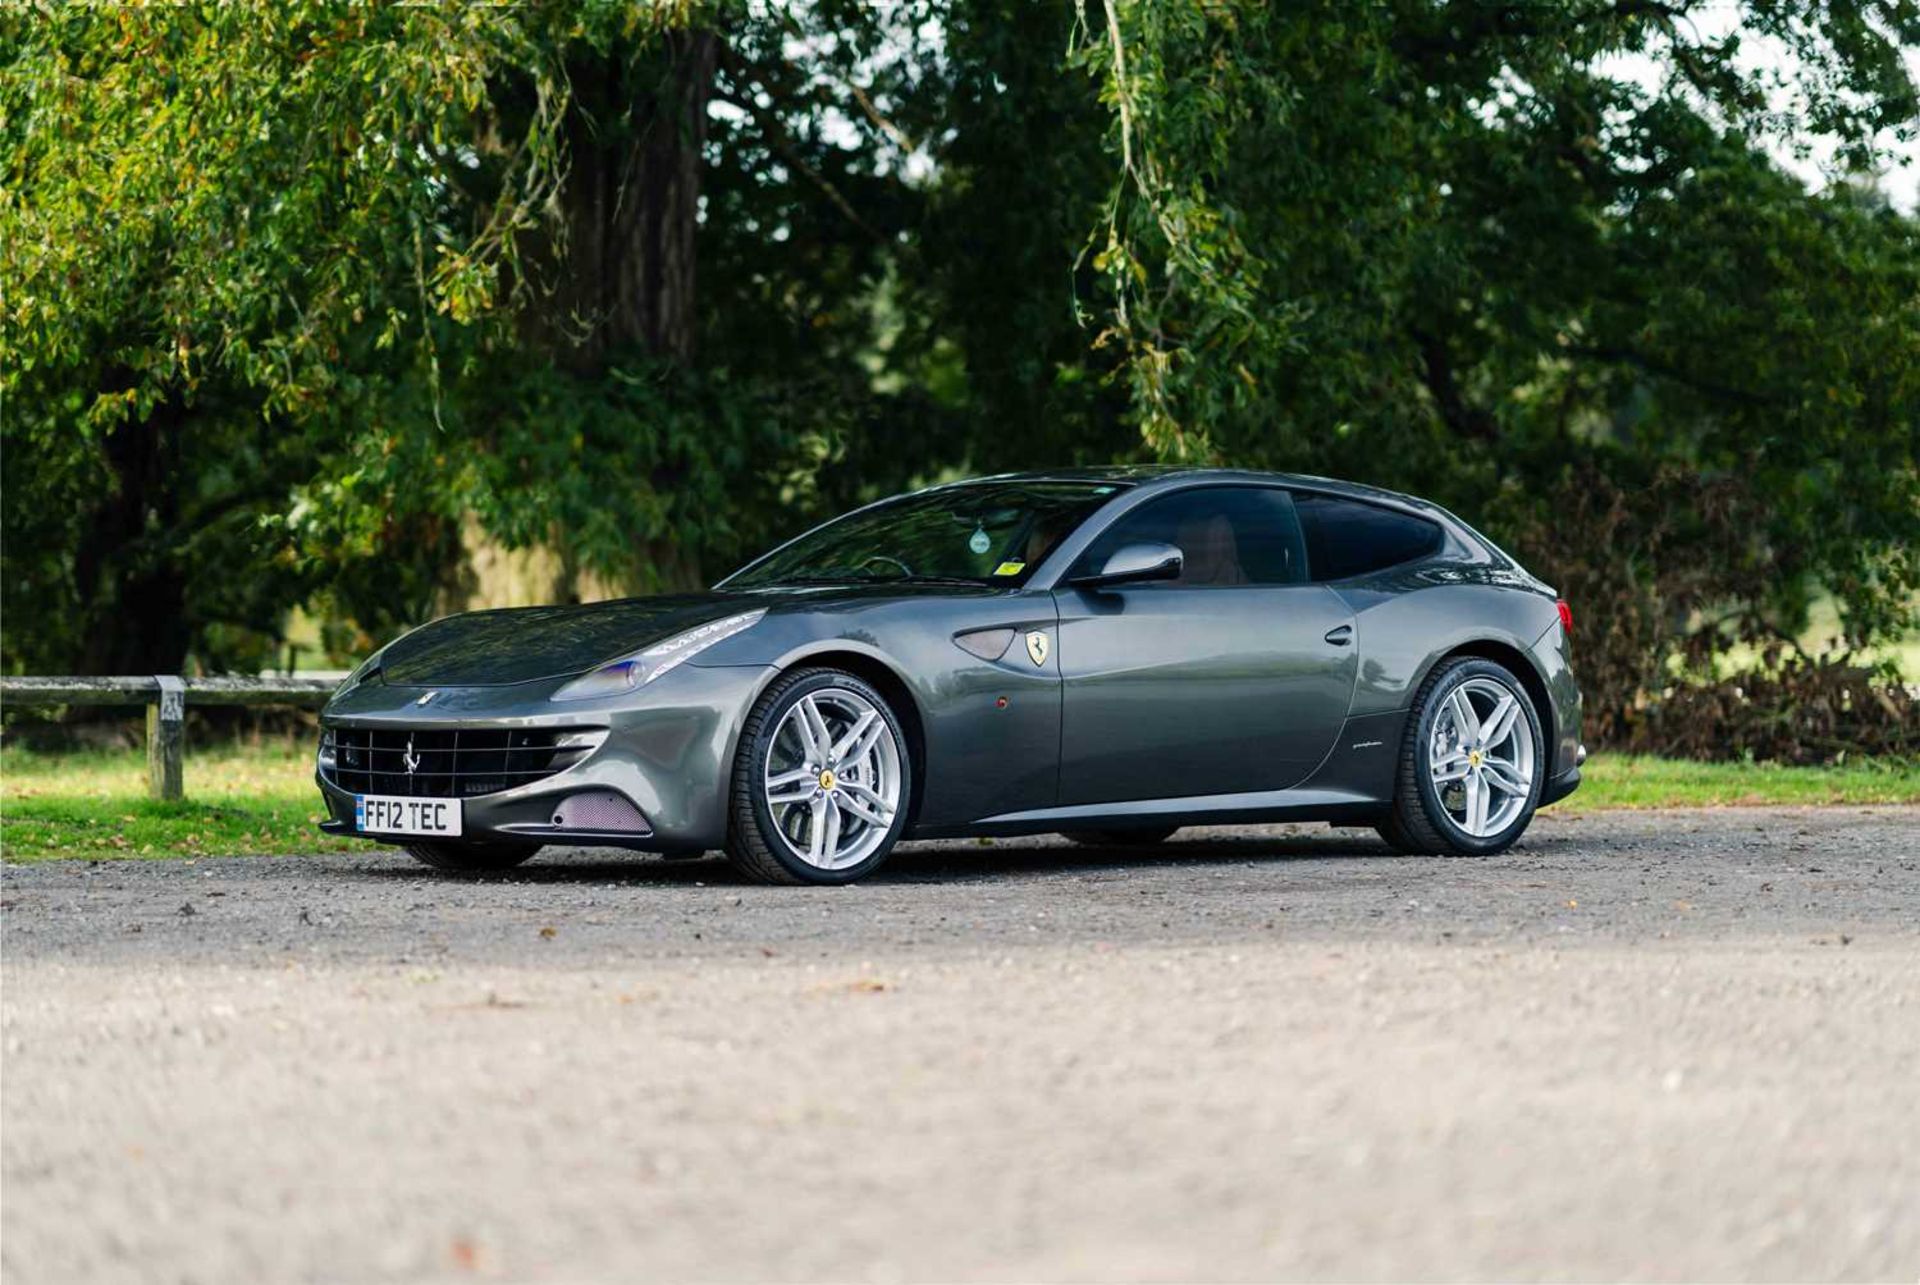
pixel 166 698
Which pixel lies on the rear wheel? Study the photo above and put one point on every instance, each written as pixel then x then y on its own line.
pixel 472 858
pixel 1120 838
pixel 1471 766
pixel 821 783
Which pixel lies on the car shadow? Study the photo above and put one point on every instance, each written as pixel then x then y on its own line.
pixel 928 862
pixel 917 863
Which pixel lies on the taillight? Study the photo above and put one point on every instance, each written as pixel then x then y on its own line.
pixel 1566 615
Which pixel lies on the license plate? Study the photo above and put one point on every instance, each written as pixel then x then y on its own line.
pixel 392 814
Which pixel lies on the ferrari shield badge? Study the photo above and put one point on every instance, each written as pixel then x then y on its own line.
pixel 1037 646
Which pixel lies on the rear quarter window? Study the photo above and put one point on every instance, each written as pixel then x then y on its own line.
pixel 1348 538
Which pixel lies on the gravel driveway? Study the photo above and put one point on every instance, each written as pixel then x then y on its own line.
pixel 1651 1046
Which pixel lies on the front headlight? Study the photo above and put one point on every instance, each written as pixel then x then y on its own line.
pixel 641 668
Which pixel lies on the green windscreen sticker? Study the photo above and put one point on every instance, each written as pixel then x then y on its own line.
pixel 1010 568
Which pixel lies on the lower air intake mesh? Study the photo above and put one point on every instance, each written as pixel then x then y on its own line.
pixel 600 810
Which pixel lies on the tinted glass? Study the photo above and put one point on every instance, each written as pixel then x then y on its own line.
pixel 1347 538
pixel 1227 535
pixel 990 533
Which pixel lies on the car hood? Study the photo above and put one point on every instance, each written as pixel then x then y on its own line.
pixel 521 644
pixel 524 644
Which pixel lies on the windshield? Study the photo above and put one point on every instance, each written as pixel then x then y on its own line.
pixel 989 533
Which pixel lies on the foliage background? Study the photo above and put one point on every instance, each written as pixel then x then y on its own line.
pixel 325 307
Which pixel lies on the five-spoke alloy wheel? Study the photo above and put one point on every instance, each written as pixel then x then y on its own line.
pixel 822 782
pixel 1469 776
pixel 1480 756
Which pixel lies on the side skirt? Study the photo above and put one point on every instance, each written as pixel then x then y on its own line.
pixel 1208 809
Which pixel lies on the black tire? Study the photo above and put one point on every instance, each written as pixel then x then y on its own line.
pixel 755 845
pixel 1418 824
pixel 472 858
pixel 1120 838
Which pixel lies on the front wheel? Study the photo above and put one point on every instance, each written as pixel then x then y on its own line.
pixel 1472 763
pixel 821 783
pixel 472 858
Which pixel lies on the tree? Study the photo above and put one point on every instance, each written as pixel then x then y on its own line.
pixel 1454 247
pixel 293 291
pixel 224 234
pixel 298 299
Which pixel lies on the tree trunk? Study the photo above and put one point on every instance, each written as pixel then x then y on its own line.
pixel 616 277
pixel 622 269
pixel 134 593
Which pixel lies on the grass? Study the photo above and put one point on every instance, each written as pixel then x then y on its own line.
pixel 261 800
pixel 1643 781
pixel 240 800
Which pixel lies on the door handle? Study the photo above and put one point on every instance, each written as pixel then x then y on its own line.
pixel 1341 635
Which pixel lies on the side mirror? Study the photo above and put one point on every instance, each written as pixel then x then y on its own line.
pixel 1135 563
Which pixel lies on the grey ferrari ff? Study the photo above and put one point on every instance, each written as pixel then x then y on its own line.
pixel 1106 653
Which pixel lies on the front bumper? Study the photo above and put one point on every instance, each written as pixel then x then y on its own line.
pixel 668 752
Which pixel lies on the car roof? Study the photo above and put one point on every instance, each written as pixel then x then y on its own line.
pixel 1143 474
pixel 1158 477
pixel 1141 479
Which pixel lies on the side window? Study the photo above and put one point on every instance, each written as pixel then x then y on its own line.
pixel 1349 538
pixel 1227 535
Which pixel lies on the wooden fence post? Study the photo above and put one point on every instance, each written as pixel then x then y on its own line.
pixel 167 739
pixel 166 698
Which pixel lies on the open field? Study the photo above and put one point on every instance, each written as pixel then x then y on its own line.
pixel 1824 635
pixel 94 804
pixel 1645 1045
pixel 261 800
pixel 1642 781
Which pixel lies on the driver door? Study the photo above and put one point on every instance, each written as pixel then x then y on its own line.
pixel 1234 678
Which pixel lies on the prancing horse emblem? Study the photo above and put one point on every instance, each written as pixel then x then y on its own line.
pixel 1037 646
pixel 411 759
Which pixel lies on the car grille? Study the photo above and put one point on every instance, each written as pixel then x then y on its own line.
pixel 453 763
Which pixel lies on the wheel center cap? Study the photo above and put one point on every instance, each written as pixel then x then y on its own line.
pixel 1473 758
pixel 827 779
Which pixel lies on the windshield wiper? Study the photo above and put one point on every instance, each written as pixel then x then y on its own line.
pixel 861 577
pixel 917 578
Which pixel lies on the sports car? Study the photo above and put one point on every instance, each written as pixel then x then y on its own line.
pixel 1110 654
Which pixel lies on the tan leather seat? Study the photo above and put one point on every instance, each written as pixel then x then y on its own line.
pixel 1039 540
pixel 1210 553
